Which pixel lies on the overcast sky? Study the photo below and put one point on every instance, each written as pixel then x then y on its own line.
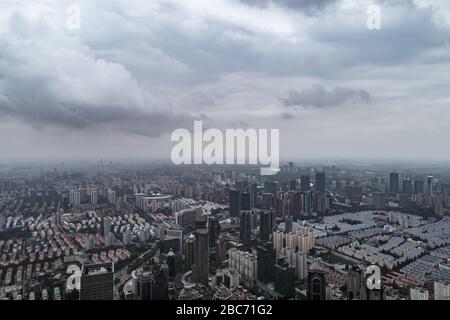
pixel 136 70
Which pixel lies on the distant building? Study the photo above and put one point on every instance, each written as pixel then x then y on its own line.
pixel 94 197
pixel 407 187
pixel 285 280
pixel 231 278
pixel 405 200
pixel 171 263
pixel 221 251
pixel 91 242
pixel 106 225
pixel 112 197
pixel 189 252
pixel 235 202
pixel 271 187
pixel 305 183
pixel 301 239
pixel 293 185
pixel 245 201
pixel 267 201
pixel 186 217
pixel 143 281
pixel 430 185
pixel 213 230
pixel 418 294
pixel 97 281
pixel 288 224
pixel 316 286
pixel 265 225
pixel 266 259
pixel 306 203
pixel 201 257
pixel 75 198
pixel 394 183
pixel 354 280
pixel 291 166
pixel 2 222
pixel 418 187
pixel 297 260
pixel 149 283
pixel 441 290
pixel 379 200
pixel 245 229
pixel 176 233
pixel 320 182
pixel 253 196
pixel 245 263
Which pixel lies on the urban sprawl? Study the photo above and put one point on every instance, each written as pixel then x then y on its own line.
pixel 113 230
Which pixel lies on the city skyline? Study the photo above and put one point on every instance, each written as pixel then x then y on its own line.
pixel 107 231
pixel 232 157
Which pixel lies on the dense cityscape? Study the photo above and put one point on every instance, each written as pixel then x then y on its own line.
pixel 239 158
pixel 133 231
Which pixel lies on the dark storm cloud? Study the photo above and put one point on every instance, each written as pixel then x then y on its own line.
pixel 317 96
pixel 116 118
pixel 287 116
pixel 56 82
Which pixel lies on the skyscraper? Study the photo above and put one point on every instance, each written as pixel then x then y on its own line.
pixel 97 281
pixel 394 183
pixel 200 269
pixel 407 187
pixel 378 200
pixel 320 181
pixel 213 230
pixel 171 263
pixel 298 260
pixel 245 201
pixel 292 185
pixel 305 184
pixel 316 287
pixel 235 202
pixel 144 284
pixel 265 225
pixel 189 252
pixel 285 279
pixel 221 251
pixel 288 224
pixel 271 187
pixel 354 280
pixel 295 205
pixel 267 201
pixel 306 203
pixel 245 227
pixel 418 186
pixel 430 185
pixel 253 196
pixel 266 259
